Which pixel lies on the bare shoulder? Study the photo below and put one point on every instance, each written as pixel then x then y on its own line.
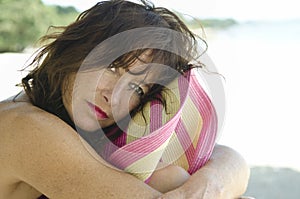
pixel 23 125
pixel 21 122
pixel 39 148
pixel 44 152
pixel 28 136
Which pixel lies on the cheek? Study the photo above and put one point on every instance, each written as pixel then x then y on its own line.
pixel 133 103
pixel 125 105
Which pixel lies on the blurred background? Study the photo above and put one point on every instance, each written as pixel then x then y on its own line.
pixel 254 45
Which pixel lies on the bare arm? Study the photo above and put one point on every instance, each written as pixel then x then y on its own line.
pixel 225 176
pixel 48 155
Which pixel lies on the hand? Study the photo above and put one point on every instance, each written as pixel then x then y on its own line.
pixel 207 188
pixel 225 176
pixel 177 194
pixel 168 178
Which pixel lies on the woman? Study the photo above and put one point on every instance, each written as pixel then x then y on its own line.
pixel 92 78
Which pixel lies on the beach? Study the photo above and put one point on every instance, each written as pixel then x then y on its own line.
pixel 11 65
pixel 260 65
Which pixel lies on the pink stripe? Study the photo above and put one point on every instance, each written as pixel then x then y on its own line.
pixel 132 152
pixel 121 140
pixel 206 141
pixel 183 86
pixel 111 147
pixel 155 115
pixel 185 142
pixel 140 148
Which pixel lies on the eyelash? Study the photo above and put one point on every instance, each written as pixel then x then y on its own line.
pixel 138 90
pixel 113 69
pixel 133 86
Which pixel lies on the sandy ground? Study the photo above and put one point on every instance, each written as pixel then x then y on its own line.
pixel 11 65
pixel 274 183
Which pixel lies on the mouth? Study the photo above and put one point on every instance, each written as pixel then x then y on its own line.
pixel 100 114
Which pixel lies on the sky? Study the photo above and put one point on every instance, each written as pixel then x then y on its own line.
pixel 240 10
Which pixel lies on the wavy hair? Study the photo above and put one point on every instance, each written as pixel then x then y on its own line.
pixel 67 47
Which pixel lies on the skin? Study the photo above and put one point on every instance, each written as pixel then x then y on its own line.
pixel 168 178
pixel 225 181
pixel 42 154
pixel 104 88
pixel 48 157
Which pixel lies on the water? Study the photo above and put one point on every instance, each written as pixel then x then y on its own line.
pixel 261 65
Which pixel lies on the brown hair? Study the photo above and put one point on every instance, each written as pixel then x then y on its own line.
pixel 56 60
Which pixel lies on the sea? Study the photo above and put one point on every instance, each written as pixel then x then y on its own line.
pixel 260 63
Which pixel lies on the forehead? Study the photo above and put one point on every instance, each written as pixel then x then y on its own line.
pixel 152 70
pixel 142 67
pixel 149 72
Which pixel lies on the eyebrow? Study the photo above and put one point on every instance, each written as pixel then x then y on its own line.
pixel 145 84
pixel 144 71
pixel 143 80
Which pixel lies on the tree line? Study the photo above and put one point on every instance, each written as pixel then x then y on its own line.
pixel 23 22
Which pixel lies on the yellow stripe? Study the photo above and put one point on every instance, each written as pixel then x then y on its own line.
pixel 138 125
pixel 193 125
pixel 145 166
pixel 175 154
pixel 172 98
pixel 171 151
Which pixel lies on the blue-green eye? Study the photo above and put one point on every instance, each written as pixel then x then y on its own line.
pixel 137 89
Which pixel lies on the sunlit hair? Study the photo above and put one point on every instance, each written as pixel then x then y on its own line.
pixel 67 47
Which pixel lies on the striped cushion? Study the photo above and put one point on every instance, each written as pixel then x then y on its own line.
pixel 183 133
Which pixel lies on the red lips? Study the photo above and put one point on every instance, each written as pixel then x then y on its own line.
pixel 100 114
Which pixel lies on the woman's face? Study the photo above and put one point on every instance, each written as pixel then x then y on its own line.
pixel 98 98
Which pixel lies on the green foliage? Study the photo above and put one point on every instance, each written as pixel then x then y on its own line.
pixel 218 23
pixel 194 22
pixel 23 22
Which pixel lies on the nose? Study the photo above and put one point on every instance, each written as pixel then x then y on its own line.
pixel 106 95
pixel 105 89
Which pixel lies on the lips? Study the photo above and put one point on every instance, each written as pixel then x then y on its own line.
pixel 100 114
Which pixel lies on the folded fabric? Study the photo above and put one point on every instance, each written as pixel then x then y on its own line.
pixel 183 133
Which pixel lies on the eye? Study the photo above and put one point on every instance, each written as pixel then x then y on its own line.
pixel 112 69
pixel 137 89
pixel 115 70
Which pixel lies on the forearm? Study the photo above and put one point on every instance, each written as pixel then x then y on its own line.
pixel 226 172
pixel 225 176
pixel 168 178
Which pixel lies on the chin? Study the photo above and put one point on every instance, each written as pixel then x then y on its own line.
pixel 87 125
pixel 92 125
